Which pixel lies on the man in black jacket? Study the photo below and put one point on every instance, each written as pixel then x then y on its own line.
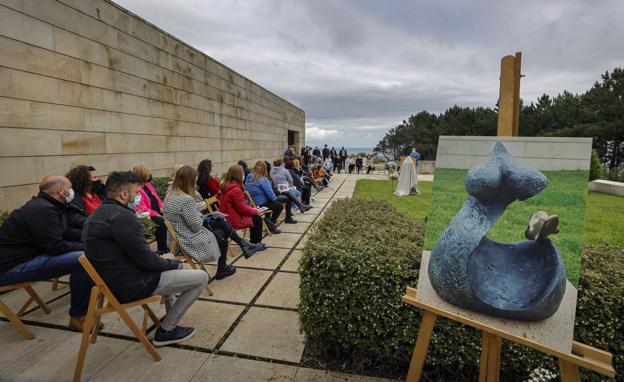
pixel 35 245
pixel 325 152
pixel 116 246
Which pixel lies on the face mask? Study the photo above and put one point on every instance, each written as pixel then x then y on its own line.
pixel 135 203
pixel 70 195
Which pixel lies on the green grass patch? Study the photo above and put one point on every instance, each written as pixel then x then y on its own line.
pixel 604 220
pixel 414 207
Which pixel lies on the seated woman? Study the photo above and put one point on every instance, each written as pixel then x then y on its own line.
pixel 318 174
pixel 262 193
pixel 200 206
pixel 306 191
pixel 207 184
pixel 85 200
pixel 152 204
pixel 284 183
pixel 328 165
pixel 195 239
pixel 234 206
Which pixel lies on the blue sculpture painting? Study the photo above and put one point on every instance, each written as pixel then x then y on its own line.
pixel 524 280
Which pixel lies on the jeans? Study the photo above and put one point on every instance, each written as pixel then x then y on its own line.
pixel 189 283
pixel 44 267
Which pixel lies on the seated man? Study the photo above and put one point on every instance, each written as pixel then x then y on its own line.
pixel 35 245
pixel 116 246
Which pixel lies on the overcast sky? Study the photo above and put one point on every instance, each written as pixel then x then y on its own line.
pixel 358 68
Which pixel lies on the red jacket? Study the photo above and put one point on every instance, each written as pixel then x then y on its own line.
pixel 234 205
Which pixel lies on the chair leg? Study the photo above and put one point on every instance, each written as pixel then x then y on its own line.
pixel 33 294
pixel 55 283
pixel 86 331
pixel 151 314
pixel 210 292
pixel 136 331
pixel 96 322
pixel 19 325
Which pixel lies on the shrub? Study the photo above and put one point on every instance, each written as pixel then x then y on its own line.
pixel 161 184
pixel 4 215
pixel 595 169
pixel 355 267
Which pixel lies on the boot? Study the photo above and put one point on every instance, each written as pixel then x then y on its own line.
pixel 223 269
pixel 272 227
pixel 250 248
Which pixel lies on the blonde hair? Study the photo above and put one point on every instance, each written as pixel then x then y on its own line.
pixel 259 170
pixel 142 172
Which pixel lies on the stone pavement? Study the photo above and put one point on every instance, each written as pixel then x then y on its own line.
pixel 249 329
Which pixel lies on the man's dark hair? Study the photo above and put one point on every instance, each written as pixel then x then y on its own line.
pixel 120 179
pixel 243 164
pixel 91 168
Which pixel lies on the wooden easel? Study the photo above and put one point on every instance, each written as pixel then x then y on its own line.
pixel 489 363
pixel 582 355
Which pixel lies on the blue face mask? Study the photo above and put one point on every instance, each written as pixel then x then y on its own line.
pixel 135 203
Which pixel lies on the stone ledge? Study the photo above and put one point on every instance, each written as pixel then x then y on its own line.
pixel 607 187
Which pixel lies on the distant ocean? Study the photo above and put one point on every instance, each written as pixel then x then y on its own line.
pixel 356 150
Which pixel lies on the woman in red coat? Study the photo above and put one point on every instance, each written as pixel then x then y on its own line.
pixel 234 204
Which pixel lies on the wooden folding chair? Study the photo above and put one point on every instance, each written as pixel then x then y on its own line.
pixel 96 310
pixel 183 255
pixel 13 317
pixel 212 205
pixel 253 204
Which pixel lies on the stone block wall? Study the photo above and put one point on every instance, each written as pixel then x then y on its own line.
pixel 87 82
pixel 544 153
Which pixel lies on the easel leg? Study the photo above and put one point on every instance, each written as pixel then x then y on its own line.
pixel 569 371
pixel 489 362
pixel 420 349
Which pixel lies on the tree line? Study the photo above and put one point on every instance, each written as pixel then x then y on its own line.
pixel 597 113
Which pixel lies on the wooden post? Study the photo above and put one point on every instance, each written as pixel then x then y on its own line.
pixel 509 96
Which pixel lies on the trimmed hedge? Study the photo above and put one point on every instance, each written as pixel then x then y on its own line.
pixel 355 267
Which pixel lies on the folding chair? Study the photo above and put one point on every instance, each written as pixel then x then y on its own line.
pixel 212 205
pixel 13 317
pixel 183 255
pixel 253 204
pixel 96 310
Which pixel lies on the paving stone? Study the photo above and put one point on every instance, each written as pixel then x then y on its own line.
pixel 282 291
pixel 226 368
pixel 211 321
pixel 240 287
pixel 292 264
pixel 52 354
pixel 269 333
pixel 268 259
pixel 313 375
pixel 303 241
pixel 305 218
pixel 135 364
pixel 300 227
pixel 283 240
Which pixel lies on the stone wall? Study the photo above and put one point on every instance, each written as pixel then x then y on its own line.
pixel 544 153
pixel 87 82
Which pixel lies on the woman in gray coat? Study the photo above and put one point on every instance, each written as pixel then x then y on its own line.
pixel 203 237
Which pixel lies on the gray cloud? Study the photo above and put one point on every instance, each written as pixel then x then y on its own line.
pixel 359 67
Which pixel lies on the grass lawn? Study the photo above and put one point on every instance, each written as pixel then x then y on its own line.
pixel 412 206
pixel 603 223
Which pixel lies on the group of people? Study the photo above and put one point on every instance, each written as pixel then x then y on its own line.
pixel 77 215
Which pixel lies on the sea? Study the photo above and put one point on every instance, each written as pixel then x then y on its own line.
pixel 357 150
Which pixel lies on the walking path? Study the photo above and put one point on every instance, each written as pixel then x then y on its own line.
pixel 248 330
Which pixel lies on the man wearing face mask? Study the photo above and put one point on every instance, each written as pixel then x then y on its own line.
pixel 115 245
pixel 35 245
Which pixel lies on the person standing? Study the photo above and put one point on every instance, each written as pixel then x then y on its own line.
pixel 325 152
pixel 343 157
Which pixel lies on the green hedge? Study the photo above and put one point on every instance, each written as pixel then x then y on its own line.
pixel 356 265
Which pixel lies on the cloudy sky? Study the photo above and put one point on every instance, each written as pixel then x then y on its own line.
pixel 358 68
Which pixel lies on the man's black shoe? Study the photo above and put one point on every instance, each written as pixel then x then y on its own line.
pixel 290 221
pixel 276 231
pixel 168 337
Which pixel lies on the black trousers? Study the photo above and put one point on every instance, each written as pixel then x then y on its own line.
pixel 306 194
pixel 256 230
pixel 160 232
pixel 276 207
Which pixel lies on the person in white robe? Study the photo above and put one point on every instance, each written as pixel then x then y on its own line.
pixel 408 179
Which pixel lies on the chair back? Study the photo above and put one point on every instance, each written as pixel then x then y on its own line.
pixel 174 237
pixel 212 204
pixel 95 276
pixel 250 199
